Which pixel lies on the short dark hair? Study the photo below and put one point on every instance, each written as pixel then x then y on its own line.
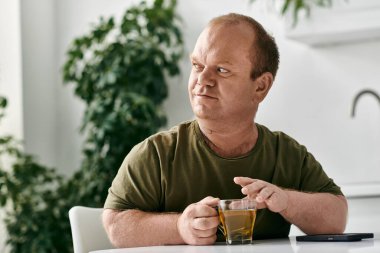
pixel 265 55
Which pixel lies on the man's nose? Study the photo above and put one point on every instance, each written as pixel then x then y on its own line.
pixel 206 78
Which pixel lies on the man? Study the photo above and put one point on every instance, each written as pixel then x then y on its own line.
pixel 167 186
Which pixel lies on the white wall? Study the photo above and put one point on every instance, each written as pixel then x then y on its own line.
pixel 312 100
pixel 10 80
pixel 39 79
pixel 10 67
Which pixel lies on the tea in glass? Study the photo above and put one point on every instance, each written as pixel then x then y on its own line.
pixel 238 219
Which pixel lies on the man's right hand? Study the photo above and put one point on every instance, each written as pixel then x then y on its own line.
pixel 198 223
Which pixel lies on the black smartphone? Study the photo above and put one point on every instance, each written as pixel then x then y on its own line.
pixel 348 237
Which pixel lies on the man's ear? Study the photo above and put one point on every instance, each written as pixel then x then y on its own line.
pixel 262 86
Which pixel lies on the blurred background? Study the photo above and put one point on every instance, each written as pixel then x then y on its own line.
pixel 326 62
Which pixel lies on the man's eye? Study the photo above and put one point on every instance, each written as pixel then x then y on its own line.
pixel 222 70
pixel 196 66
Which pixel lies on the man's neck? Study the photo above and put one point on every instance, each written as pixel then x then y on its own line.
pixel 229 140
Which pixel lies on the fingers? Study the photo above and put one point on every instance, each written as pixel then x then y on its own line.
pixel 266 194
pixel 250 187
pixel 254 188
pixel 204 230
pixel 205 223
pixel 205 233
pixel 206 207
pixel 209 201
pixel 198 223
pixel 243 181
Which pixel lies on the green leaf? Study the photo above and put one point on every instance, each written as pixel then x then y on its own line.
pixel 3 102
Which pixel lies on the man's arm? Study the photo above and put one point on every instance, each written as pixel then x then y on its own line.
pixel 313 213
pixel 133 228
pixel 316 213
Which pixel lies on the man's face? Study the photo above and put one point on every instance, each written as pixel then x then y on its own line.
pixel 220 86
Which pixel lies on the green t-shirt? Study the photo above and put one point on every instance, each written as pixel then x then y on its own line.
pixel 172 169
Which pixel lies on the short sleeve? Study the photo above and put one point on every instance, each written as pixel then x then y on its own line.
pixel 137 184
pixel 314 179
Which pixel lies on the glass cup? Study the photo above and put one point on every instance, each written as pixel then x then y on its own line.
pixel 237 218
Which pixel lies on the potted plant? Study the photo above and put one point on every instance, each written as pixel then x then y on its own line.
pixel 296 7
pixel 119 70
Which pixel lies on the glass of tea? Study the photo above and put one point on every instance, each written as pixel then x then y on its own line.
pixel 237 217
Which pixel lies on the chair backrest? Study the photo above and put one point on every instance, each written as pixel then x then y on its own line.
pixel 87 229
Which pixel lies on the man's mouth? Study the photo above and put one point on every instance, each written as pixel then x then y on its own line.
pixel 204 96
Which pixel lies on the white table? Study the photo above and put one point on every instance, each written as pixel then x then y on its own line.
pixel 265 246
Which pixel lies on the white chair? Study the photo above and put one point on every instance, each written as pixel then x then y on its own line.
pixel 87 229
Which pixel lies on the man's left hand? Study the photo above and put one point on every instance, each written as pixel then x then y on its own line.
pixel 266 194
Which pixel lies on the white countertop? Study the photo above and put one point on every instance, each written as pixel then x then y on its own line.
pixel 264 246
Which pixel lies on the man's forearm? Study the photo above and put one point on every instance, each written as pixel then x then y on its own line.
pixel 134 228
pixel 316 213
